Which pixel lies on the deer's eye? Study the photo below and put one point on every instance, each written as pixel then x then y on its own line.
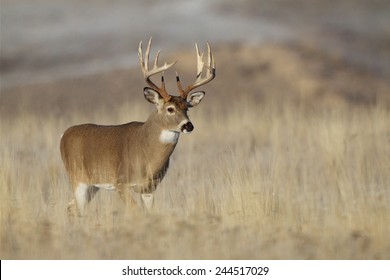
pixel 170 110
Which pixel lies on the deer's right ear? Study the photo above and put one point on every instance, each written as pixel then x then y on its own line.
pixel 153 96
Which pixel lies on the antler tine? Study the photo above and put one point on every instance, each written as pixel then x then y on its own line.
pixel 141 60
pixel 156 59
pixel 147 53
pixel 179 86
pixel 211 60
pixel 209 75
pixel 199 62
pixel 144 60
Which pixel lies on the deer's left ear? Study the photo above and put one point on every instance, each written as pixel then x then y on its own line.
pixel 154 97
pixel 194 98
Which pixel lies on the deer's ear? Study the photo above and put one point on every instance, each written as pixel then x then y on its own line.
pixel 153 96
pixel 194 98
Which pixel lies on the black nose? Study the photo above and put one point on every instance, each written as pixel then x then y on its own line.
pixel 188 127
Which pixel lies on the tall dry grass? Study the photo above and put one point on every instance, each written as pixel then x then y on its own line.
pixel 289 159
pixel 264 181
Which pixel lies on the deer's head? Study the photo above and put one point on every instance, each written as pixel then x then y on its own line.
pixel 172 110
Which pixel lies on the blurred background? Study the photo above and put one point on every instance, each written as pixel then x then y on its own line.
pixel 46 40
pixel 294 129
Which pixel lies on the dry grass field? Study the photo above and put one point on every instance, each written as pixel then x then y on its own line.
pixel 289 159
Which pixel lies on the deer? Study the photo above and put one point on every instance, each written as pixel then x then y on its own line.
pixel 133 158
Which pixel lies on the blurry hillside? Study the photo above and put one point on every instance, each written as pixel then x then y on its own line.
pixel 59 55
pixel 269 73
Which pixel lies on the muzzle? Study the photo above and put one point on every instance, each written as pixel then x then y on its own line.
pixel 187 127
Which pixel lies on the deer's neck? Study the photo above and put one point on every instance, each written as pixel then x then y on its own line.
pixel 157 145
pixel 158 136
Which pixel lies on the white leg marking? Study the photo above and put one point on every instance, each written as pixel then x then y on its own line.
pixel 81 195
pixel 148 199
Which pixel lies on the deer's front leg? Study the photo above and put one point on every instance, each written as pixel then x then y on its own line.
pixel 148 200
pixel 127 197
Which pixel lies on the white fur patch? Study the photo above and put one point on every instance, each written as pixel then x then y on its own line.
pixel 169 136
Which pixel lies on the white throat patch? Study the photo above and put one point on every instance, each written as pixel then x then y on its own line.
pixel 169 136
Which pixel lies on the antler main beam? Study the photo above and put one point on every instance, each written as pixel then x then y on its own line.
pixel 210 72
pixel 144 60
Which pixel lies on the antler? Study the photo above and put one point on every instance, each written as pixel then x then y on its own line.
pixel 144 60
pixel 210 72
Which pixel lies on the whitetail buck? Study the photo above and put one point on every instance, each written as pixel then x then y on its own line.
pixel 133 157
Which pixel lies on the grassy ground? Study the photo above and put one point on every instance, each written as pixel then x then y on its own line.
pixel 289 159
